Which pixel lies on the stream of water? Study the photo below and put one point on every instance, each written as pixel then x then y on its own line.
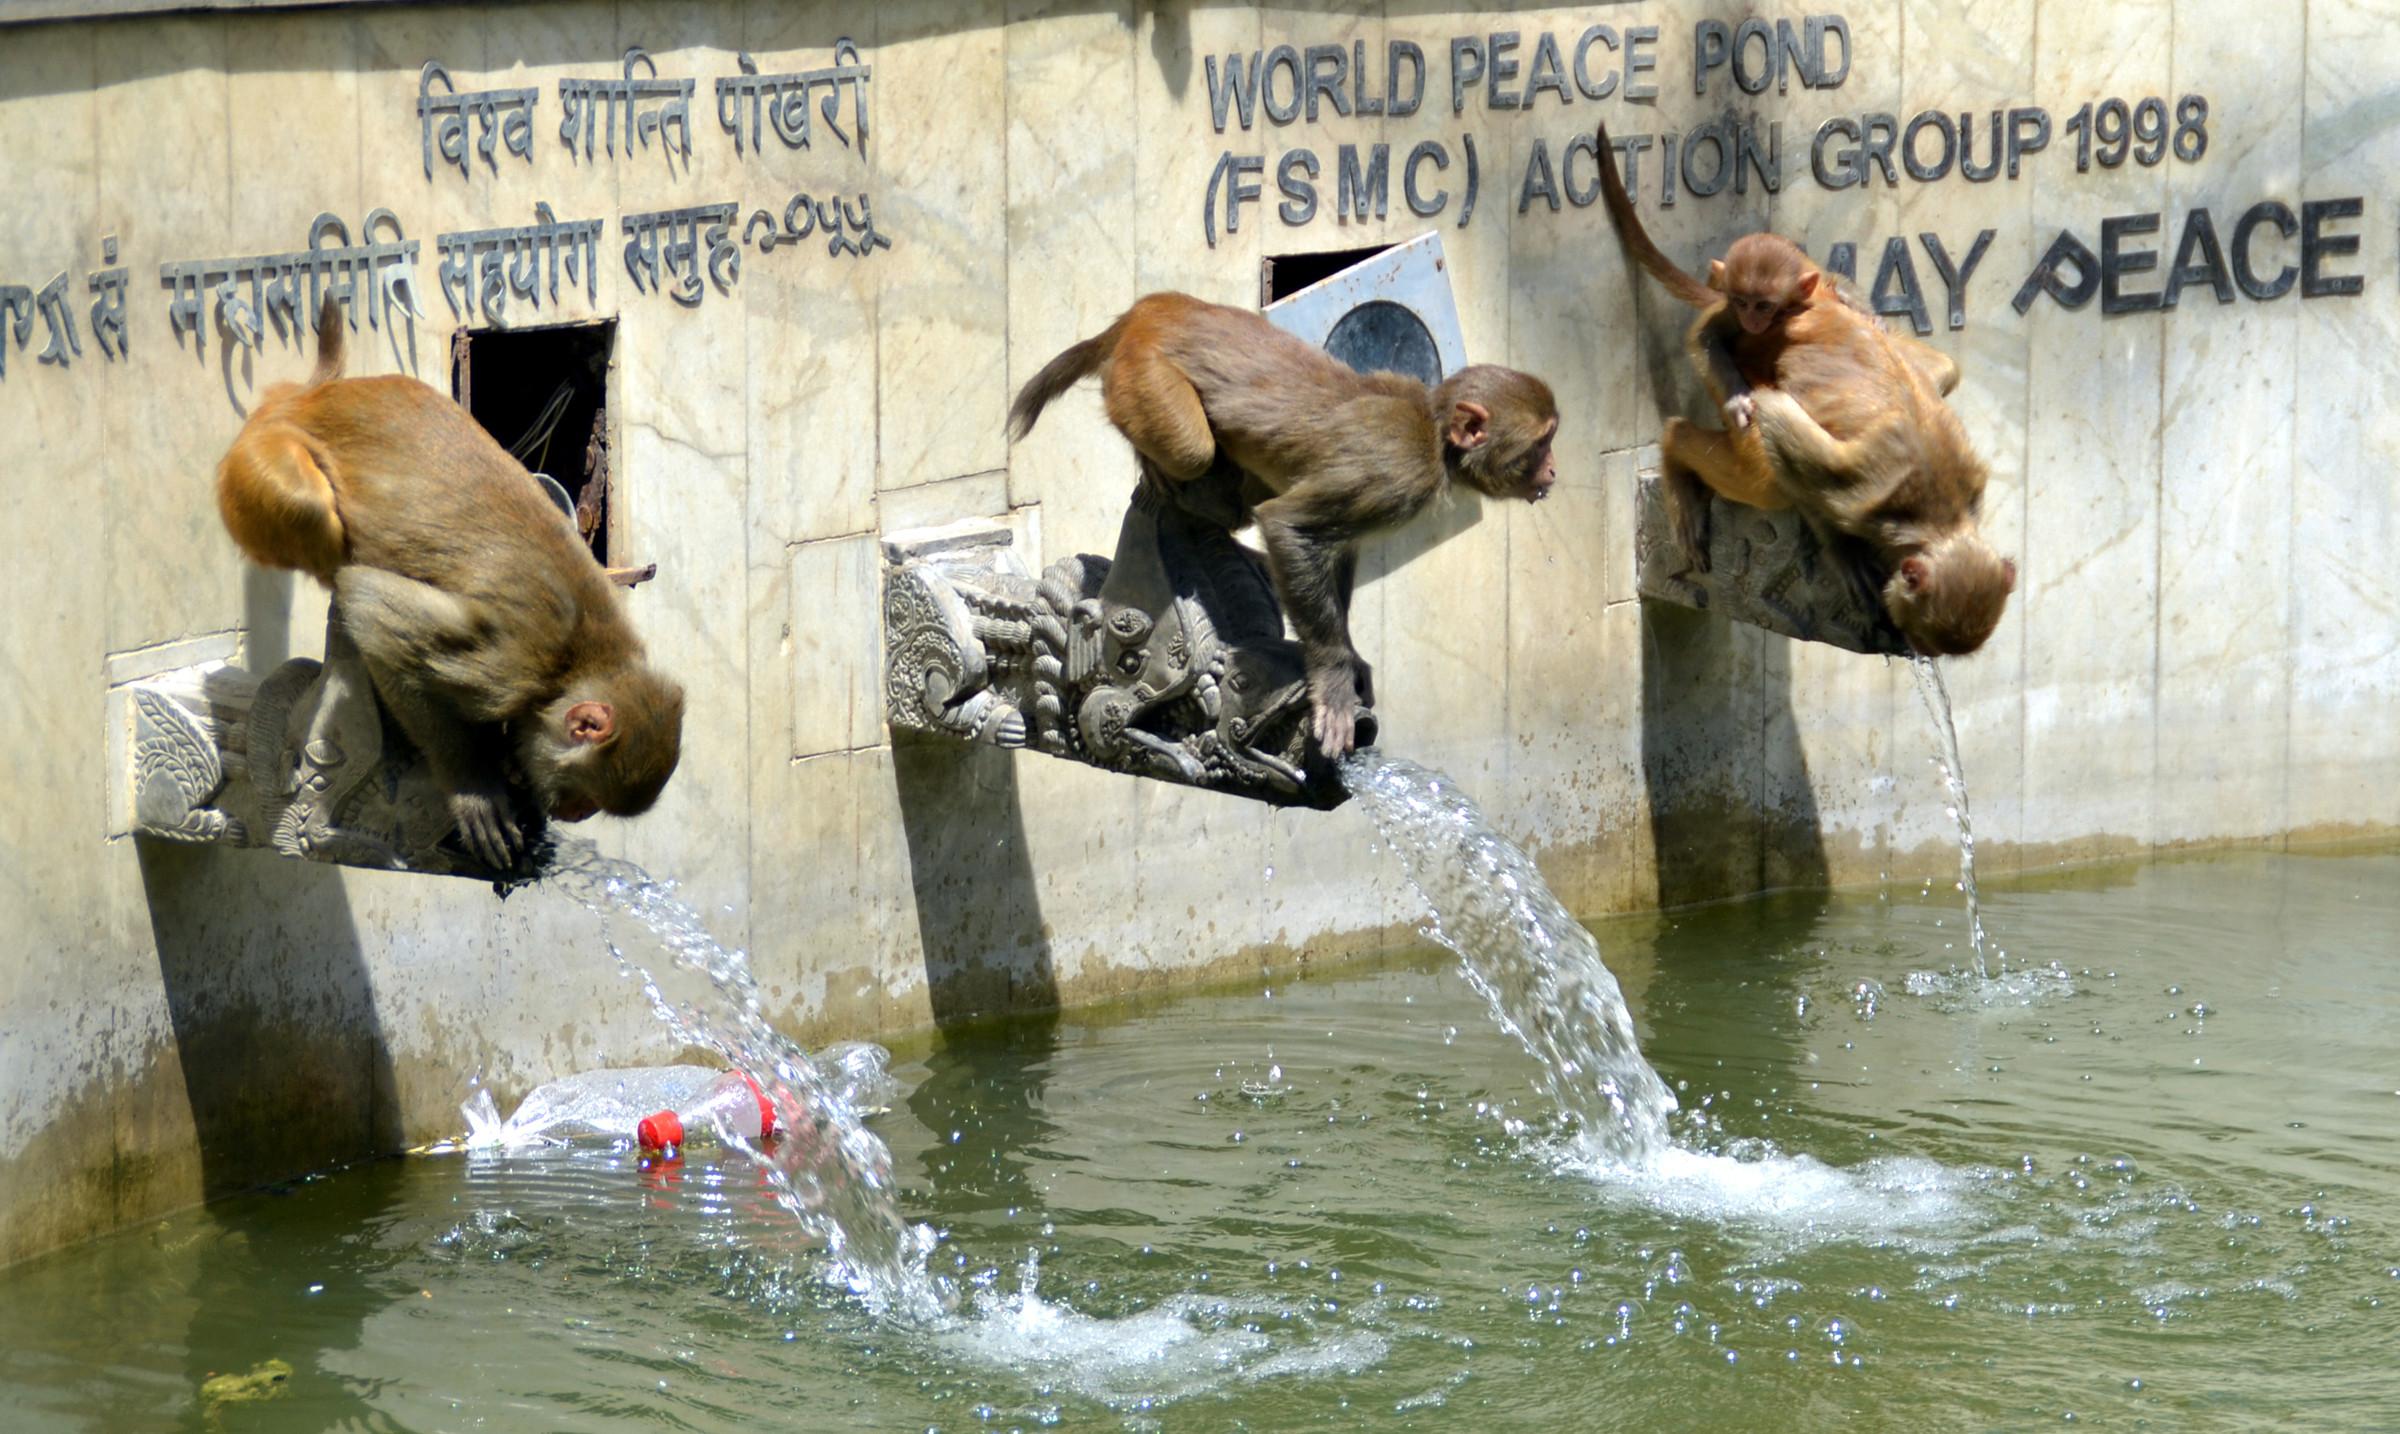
pixel 1537 966
pixel 825 1166
pixel 1934 694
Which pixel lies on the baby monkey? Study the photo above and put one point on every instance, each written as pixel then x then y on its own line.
pixel 493 636
pixel 1827 412
pixel 1343 454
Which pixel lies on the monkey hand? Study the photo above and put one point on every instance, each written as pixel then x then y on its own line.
pixel 487 827
pixel 1334 696
pixel 1738 410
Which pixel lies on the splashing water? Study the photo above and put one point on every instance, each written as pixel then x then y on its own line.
pixel 1536 964
pixel 830 1171
pixel 1935 695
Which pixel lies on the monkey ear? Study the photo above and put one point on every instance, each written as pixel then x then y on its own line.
pixel 1807 287
pixel 2009 566
pixel 1716 275
pixel 1470 424
pixel 1914 573
pixel 590 722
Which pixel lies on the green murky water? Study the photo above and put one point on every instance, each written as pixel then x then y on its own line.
pixel 2155 1184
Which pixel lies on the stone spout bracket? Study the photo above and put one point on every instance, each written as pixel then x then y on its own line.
pixel 304 761
pixel 1765 567
pixel 1166 661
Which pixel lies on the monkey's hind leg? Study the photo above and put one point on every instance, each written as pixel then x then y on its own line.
pixel 1159 412
pixel 277 501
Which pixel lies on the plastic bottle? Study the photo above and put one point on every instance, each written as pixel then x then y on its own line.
pixel 733 1102
pixel 612 1103
pixel 589 1103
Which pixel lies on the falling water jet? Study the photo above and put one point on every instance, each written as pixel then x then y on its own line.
pixel 1537 965
pixel 1935 695
pixel 831 1172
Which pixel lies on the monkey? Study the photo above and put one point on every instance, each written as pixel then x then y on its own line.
pixel 493 637
pixel 1325 455
pixel 1828 413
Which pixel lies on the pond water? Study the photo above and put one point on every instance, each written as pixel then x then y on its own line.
pixel 2144 1180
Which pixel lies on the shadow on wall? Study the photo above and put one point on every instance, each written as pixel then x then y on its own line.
pixel 1731 808
pixel 284 1059
pixel 987 951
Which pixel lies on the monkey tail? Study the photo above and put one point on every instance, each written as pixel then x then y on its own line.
pixel 275 486
pixel 1060 374
pixel 329 344
pixel 1629 228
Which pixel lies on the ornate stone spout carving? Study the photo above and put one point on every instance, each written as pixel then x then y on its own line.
pixel 1768 569
pixel 1168 661
pixel 303 761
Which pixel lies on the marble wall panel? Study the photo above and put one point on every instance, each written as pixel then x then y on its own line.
pixel 813 360
pixel 1072 77
pixel 64 998
pixel 166 190
pixel 1569 765
pixel 1178 147
pixel 942 319
pixel 1706 700
pixel 2231 381
pixel 1568 314
pixel 1171 825
pixel 2344 528
pixel 808 916
pixel 1336 889
pixel 832 645
pixel 683 509
pixel 811 418
pixel 1322 131
pixel 2088 586
pixel 1080 832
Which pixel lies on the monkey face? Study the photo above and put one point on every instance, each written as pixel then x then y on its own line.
pixel 1758 312
pixel 1537 468
pixel 1497 429
pixel 1526 470
pixel 1948 598
pixel 608 747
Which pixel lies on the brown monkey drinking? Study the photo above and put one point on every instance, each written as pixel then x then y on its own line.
pixel 1341 454
pixel 493 636
pixel 1828 413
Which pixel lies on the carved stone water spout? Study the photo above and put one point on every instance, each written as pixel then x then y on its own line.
pixel 303 761
pixel 1167 661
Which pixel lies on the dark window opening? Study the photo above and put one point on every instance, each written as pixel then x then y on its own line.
pixel 1280 278
pixel 543 393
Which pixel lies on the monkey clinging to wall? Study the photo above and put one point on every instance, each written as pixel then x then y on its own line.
pixel 493 636
pixel 1828 413
pixel 1345 454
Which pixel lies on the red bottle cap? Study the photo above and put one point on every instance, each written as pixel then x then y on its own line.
pixel 766 1107
pixel 659 1131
